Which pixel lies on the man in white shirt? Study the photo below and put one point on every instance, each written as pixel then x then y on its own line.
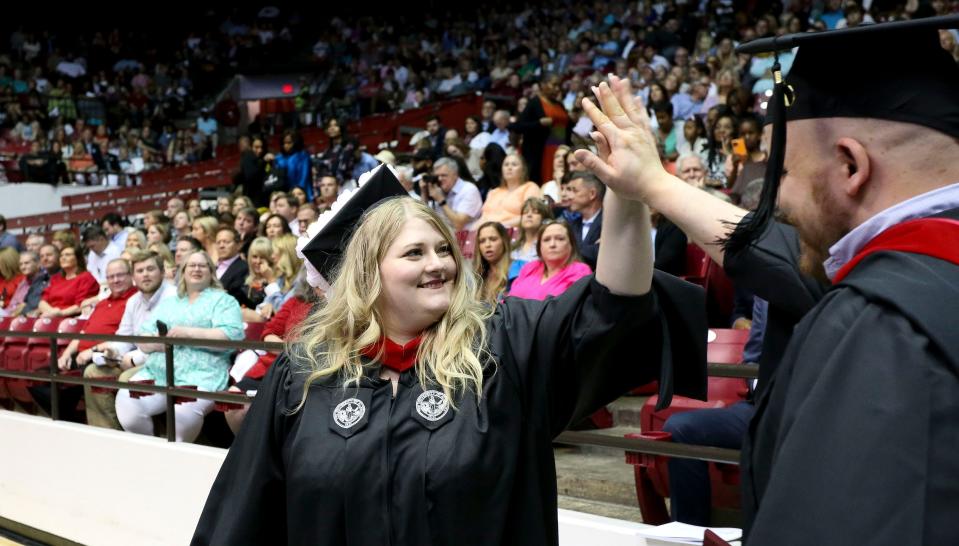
pixel 101 252
pixel 500 134
pixel 287 206
pixel 456 200
pixel 118 357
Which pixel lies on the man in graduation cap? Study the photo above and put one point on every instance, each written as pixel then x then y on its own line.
pixel 855 432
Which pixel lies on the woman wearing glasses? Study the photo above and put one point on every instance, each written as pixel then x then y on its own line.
pixel 201 310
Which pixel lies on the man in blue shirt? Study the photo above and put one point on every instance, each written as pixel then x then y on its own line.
pixel 7 238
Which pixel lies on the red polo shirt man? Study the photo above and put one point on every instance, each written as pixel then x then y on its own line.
pixel 106 316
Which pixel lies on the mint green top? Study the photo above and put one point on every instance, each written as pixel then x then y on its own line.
pixel 208 369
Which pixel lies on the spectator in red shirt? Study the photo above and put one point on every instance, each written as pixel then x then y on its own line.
pixel 69 288
pixel 106 315
pixel 10 277
pixel 251 366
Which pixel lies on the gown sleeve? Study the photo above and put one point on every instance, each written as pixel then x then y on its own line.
pixel 864 429
pixel 581 350
pixel 770 269
pixel 247 504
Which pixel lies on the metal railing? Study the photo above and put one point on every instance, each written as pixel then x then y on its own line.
pixel 55 378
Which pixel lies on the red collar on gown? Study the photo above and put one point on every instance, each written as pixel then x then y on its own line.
pixel 936 237
pixel 396 357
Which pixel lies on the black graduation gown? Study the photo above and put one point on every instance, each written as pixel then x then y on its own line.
pixel 479 475
pixel 855 437
pixel 770 270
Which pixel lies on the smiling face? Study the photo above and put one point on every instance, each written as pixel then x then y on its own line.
pixel 226 245
pixel 118 278
pixel 197 273
pixel 417 275
pixel 68 259
pixel 491 245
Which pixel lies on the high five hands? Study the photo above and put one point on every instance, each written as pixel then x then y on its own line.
pixel 627 159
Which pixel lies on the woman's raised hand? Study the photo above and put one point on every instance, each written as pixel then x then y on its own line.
pixel 627 159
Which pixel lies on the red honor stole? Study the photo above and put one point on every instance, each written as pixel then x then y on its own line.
pixel 936 237
pixel 396 357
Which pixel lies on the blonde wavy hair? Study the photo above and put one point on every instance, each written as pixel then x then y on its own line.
pixel 288 264
pixel 329 342
pixel 262 248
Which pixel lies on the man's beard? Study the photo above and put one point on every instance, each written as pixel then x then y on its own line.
pixel 816 236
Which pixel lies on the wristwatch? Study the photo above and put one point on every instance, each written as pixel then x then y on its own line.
pixel 442 203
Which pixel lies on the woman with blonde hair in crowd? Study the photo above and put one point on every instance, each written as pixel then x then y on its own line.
pixel 491 261
pixel 63 238
pixel 504 204
pixel 286 266
pixel 204 230
pixel 136 240
pixel 262 274
pixel 241 202
pixel 405 390
pixel 10 276
pixel 169 262
pixel 158 233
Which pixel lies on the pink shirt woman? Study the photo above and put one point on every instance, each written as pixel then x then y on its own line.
pixel 556 270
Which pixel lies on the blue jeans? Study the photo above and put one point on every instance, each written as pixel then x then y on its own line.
pixel 689 487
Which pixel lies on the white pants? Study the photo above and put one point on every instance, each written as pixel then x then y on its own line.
pixel 136 414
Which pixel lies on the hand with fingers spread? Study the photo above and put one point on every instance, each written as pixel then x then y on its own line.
pixel 627 159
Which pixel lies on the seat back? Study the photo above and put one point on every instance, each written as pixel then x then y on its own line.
pixel 696 261
pixel 45 324
pixel 253 331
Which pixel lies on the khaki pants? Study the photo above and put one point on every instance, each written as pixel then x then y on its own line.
pixel 101 407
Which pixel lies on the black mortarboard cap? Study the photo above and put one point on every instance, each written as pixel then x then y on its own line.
pixel 326 247
pixel 894 71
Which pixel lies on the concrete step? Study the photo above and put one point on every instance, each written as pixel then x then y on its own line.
pixel 595 474
pixel 627 411
pixel 599 508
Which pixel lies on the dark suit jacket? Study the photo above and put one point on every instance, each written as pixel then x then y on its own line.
pixel 589 248
pixel 234 282
pixel 670 247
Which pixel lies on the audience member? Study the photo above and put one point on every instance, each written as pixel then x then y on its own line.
pixel 241 202
pixel 292 165
pixel 68 288
pixel 261 274
pixel 173 206
pixel 535 212
pixel 204 231
pixel 231 269
pixel 286 207
pixel 551 187
pixel 276 226
pixel 741 170
pixel 586 194
pixel 545 126
pixel 327 191
pixel 557 268
pixel 504 204
pixel 224 204
pixel 117 357
pixel 185 246
pixel 201 310
pixel 26 297
pixel 10 276
pixel 247 223
pixel 338 159
pixel 305 215
pixel 137 240
pixel 101 251
pixel 456 200
pixel 8 239
pixel 286 267
pixel 34 242
pixel 252 171
pixel 113 226
pixel 491 261
pixel 106 315
pixel 251 366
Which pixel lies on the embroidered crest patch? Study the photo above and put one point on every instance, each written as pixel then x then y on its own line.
pixel 432 405
pixel 349 412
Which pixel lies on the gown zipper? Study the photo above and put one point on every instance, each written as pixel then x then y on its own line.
pixel 389 463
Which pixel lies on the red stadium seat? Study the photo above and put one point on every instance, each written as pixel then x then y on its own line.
pixel 15 353
pixel 696 262
pixel 5 400
pixel 41 346
pixel 651 473
pixel 253 331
